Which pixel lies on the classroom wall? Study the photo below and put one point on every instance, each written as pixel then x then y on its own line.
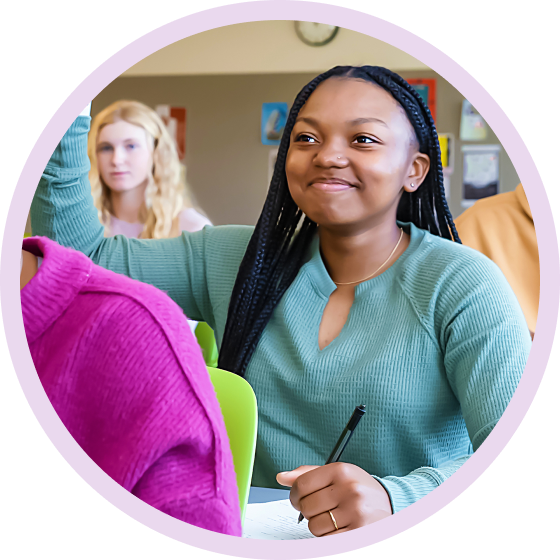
pixel 227 166
pixel 269 47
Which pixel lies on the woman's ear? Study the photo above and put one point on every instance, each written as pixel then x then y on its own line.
pixel 417 173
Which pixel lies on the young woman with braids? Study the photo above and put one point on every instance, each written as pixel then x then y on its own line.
pixel 353 288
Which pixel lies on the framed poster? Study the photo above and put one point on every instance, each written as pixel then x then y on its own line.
pixel 273 121
pixel 175 120
pixel 473 126
pixel 447 147
pixel 481 172
pixel 426 88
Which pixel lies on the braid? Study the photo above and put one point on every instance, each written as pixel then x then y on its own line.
pixel 423 123
pixel 271 261
pixel 277 248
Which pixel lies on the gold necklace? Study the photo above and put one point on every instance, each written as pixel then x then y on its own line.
pixel 368 277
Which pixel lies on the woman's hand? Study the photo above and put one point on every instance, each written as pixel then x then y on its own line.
pixel 353 496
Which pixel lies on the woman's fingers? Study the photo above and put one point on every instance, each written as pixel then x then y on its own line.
pixel 322 524
pixel 288 478
pixel 313 481
pixel 353 496
pixel 320 501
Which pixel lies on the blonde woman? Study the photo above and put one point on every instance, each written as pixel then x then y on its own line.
pixel 136 175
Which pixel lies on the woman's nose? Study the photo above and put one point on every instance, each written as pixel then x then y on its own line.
pixel 119 155
pixel 331 156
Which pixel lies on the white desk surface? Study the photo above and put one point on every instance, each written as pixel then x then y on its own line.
pixel 270 516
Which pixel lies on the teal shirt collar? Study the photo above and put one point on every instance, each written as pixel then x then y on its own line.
pixel 323 283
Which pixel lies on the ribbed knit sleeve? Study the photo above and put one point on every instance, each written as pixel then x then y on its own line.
pixel 63 211
pixel 405 490
pixel 63 208
pixel 485 342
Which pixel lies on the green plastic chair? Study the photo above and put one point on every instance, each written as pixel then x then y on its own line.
pixel 239 409
pixel 207 342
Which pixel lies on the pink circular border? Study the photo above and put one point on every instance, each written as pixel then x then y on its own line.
pixel 362 23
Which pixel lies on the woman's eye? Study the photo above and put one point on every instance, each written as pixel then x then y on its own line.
pixel 305 138
pixel 132 146
pixel 364 140
pixel 105 149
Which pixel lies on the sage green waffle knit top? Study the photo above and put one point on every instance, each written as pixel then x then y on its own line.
pixel 434 347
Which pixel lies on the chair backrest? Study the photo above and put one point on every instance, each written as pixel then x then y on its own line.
pixel 239 409
pixel 205 337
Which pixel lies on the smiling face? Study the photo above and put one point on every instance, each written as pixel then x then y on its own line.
pixel 352 152
pixel 124 155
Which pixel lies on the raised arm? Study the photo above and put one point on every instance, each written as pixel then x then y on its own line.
pixel 63 210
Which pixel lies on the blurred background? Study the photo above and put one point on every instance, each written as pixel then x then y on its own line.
pixel 223 77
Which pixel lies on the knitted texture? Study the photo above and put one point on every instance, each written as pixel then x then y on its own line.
pixel 434 347
pixel 123 372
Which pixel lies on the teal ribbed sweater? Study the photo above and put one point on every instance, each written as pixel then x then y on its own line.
pixel 434 347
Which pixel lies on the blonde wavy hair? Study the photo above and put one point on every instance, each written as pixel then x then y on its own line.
pixel 166 194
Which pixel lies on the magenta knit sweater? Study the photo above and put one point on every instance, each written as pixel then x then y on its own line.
pixel 122 370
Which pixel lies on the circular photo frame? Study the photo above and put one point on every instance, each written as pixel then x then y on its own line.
pixel 455 75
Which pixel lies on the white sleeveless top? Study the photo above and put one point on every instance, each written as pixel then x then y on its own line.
pixel 189 220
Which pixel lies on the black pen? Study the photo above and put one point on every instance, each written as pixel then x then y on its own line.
pixel 344 438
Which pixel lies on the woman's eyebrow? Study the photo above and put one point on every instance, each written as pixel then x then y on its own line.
pixel 123 141
pixel 308 120
pixel 364 120
pixel 354 122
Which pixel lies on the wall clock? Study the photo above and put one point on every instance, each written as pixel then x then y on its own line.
pixel 315 34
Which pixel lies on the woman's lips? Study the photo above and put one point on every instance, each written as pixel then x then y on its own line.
pixel 331 186
pixel 119 173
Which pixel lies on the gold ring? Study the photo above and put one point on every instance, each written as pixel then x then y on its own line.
pixel 333 520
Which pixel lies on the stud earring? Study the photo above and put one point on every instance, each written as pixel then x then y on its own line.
pixel 412 185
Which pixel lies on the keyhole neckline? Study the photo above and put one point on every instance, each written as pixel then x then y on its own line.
pixel 323 282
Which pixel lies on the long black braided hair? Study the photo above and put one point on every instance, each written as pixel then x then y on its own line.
pixel 279 243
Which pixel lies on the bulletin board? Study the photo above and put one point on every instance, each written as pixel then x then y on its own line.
pixel 426 88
